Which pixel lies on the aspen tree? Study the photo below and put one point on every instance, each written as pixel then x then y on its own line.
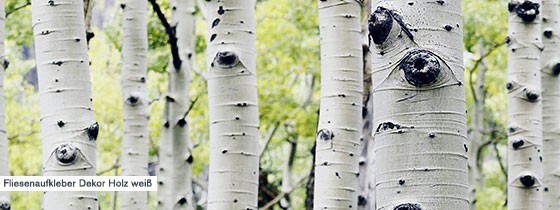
pixel 233 105
pixel 419 101
pixel 69 130
pixel 339 130
pixel 5 203
pixel 550 62
pixel 525 172
pixel 135 141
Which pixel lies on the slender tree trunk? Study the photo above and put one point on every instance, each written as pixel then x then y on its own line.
pixel 551 99
pixel 182 19
pixel 135 141
pixel 476 137
pixel 233 105
pixel 165 164
pixel 339 131
pixel 420 114
pixel 525 172
pixel 5 202
pixel 69 130
pixel 290 148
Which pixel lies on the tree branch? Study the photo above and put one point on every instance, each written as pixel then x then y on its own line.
pixel 477 62
pixel 284 193
pixel 171 32
pixel 15 9
pixel 269 136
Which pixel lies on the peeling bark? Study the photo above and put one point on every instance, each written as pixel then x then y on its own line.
pixel 525 172
pixel 233 105
pixel 339 130
pixel 5 202
pixel 135 140
pixel 550 63
pixel 67 121
pixel 420 105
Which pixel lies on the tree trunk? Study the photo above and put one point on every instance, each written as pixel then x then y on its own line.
pixel 525 172
pixel 182 18
pixel 420 114
pixel 340 125
pixel 233 105
pixel 5 202
pixel 551 99
pixel 135 141
pixel 69 130
pixel 476 137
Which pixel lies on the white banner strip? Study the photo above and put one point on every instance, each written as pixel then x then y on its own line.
pixel 78 183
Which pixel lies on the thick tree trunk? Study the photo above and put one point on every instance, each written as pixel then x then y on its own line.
pixel 339 130
pixel 233 105
pixel 525 172
pixel 476 137
pixel 182 18
pixel 135 141
pixel 551 100
pixel 420 115
pixel 69 130
pixel 4 161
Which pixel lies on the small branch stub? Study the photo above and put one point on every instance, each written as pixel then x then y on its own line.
pixel 226 59
pixel 527 180
pixel 325 135
pixel 92 131
pixel 379 25
pixel 66 154
pixel 5 205
pixel 421 67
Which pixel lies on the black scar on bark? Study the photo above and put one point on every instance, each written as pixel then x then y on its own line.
pixel 182 201
pixel 66 154
pixel 182 122
pixel 227 59
pixel 421 67
pixel 169 99
pixel 527 180
pixel 362 201
pixel 92 131
pixel 215 22
pixel 6 63
pixel 517 144
pixel 89 35
pixel 547 34
pixel 123 6
pixel 166 124
pixel 221 10
pixel 381 22
pixel 401 181
pixel 5 205
pixel 387 126
pixel 132 100
pixel 527 11
pixel 51 3
pixel 556 69
pixel 508 40
pixel 325 134
pixel 408 206
pixel 509 85
pixel 532 96
pixel 190 159
pixel 60 123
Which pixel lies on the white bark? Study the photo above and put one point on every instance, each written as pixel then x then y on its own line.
pixel 525 172
pixel 69 130
pixel 476 137
pixel 420 114
pixel 340 124
pixel 135 141
pixel 4 161
pixel 290 149
pixel 165 163
pixel 551 100
pixel 233 105
pixel 182 17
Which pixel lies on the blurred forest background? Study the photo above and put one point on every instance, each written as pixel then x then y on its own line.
pixel 288 69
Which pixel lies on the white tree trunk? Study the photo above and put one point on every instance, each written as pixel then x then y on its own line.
pixel 165 163
pixel 551 100
pixel 525 172
pixel 5 203
pixel 69 130
pixel 135 141
pixel 340 124
pixel 420 114
pixel 233 105
pixel 182 17
pixel 476 137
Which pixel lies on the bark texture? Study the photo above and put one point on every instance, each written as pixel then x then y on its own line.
pixel 135 141
pixel 182 19
pixel 420 113
pixel 340 124
pixel 525 172
pixel 5 203
pixel 233 105
pixel 550 62
pixel 69 130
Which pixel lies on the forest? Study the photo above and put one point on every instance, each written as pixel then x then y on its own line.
pixel 284 104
